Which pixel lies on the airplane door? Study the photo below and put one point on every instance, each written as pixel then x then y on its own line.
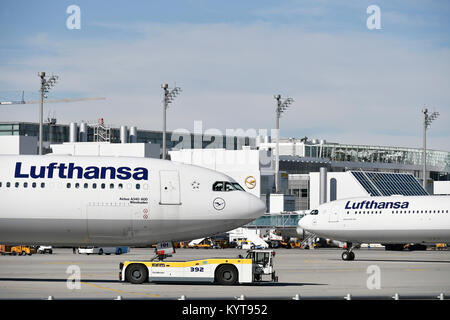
pixel 170 187
pixel 333 215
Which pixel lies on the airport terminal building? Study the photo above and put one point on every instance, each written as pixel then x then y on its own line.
pixel 54 133
pixel 352 170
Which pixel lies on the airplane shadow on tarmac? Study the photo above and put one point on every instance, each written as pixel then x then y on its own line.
pixel 54 280
pixel 403 260
pixel 254 284
pixel 259 284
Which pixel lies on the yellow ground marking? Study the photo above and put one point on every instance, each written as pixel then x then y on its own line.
pixel 414 269
pixel 324 270
pixel 64 262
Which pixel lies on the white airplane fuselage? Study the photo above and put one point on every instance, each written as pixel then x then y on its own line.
pixel 68 200
pixel 395 219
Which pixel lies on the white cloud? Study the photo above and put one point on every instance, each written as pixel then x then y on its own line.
pixel 351 86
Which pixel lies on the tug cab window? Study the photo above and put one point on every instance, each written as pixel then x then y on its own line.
pixel 259 257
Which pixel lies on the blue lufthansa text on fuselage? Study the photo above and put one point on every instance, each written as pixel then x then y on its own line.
pixel 71 171
pixel 377 205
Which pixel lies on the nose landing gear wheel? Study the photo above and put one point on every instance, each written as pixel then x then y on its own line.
pixel 348 256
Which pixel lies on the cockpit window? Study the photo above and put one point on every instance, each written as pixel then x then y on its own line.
pixel 218 186
pixel 226 186
pixel 314 212
pixel 229 186
pixel 237 186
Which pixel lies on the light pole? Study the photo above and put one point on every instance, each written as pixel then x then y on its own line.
pixel 428 118
pixel 169 96
pixel 46 84
pixel 281 107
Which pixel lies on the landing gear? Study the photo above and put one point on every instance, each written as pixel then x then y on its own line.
pixel 348 255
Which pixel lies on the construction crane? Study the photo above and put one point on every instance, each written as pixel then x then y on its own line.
pixel 49 101
pixel 45 85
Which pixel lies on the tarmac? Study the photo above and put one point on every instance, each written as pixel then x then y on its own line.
pixel 303 274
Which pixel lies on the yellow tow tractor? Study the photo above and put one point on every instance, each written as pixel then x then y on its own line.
pixel 16 250
pixel 225 271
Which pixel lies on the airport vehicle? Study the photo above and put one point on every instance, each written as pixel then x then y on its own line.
pixel 44 249
pixel 245 245
pixel 248 245
pixel 206 243
pixel 102 250
pixel 384 220
pixel 440 246
pixel 109 201
pixel 16 250
pixel 225 271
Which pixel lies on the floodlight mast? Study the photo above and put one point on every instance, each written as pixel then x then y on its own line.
pixel 428 119
pixel 168 97
pixel 281 107
pixel 46 85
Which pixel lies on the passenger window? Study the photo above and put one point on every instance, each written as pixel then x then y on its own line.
pixel 86 185
pixel 25 184
pixel 68 185
pixel 94 186
pixel 138 186
pixel 111 186
pixel 218 186
pixel 103 186
pixel 16 184
pixel 43 185
pixel 77 185
pixel 120 186
pixel 8 184
pixel 33 184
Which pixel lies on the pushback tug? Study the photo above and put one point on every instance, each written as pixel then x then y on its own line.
pixel 225 271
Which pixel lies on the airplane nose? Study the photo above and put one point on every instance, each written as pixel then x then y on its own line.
pixel 257 207
pixel 305 223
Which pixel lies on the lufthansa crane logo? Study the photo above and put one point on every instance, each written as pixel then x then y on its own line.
pixel 219 203
pixel 250 182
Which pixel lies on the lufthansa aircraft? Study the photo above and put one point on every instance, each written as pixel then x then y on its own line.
pixel 385 220
pixel 72 201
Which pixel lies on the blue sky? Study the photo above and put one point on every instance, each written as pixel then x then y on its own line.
pixel 350 84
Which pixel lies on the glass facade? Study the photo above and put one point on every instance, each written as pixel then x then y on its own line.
pixel 379 154
pixel 298 185
pixel 279 221
pixel 59 133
